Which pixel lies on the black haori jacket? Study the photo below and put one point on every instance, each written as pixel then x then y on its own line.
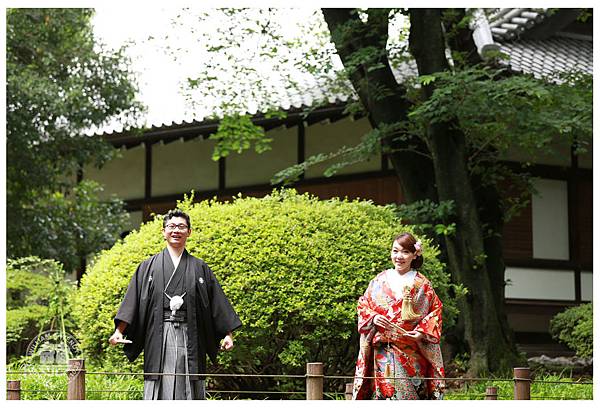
pixel 210 316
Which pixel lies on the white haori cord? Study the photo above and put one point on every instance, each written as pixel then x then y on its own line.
pixel 175 301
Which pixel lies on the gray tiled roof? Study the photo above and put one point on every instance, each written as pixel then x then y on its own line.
pixel 509 23
pixel 544 57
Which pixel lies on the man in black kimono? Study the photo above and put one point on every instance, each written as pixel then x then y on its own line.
pixel 176 312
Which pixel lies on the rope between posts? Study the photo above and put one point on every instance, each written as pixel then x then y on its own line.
pixel 298 376
pixel 562 382
pixel 555 397
pixel 256 392
pixel 208 374
pixel 60 391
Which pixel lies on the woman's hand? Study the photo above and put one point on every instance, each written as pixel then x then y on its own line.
pixel 415 335
pixel 382 322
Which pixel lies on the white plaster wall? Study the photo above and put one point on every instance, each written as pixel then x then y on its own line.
pixel 587 285
pixel 529 283
pixel 123 176
pixel 179 167
pixel 550 224
pixel 330 137
pixel 251 168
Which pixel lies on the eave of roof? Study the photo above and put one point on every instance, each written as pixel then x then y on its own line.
pixel 167 133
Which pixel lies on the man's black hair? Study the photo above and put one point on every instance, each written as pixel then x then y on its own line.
pixel 176 213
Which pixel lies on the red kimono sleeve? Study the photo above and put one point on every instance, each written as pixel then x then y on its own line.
pixel 431 324
pixel 366 312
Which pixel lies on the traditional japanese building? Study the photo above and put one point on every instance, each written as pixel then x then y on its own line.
pixel 547 247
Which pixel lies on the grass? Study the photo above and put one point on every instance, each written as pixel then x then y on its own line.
pixel 50 383
pixel 545 387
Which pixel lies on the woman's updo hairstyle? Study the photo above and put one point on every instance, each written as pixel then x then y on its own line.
pixel 408 242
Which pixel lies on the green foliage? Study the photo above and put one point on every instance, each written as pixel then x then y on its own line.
pixel 369 145
pixel 69 226
pixel 237 133
pixel 574 327
pixel 37 298
pixel 60 82
pixel 430 218
pixel 557 387
pixel 292 266
pixel 490 105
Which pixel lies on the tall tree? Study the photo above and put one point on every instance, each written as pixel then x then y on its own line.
pixel 441 150
pixel 60 83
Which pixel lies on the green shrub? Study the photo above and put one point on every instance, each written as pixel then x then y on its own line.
pixel 574 327
pixel 37 296
pixel 292 266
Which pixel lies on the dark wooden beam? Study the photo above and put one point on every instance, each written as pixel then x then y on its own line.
pixel 301 145
pixel 553 264
pixel 148 172
pixel 137 204
pixel 222 174
pixel 573 217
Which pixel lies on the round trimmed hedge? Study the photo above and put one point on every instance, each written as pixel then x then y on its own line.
pixel 293 267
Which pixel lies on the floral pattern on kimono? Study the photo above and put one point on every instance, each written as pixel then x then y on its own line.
pixel 387 353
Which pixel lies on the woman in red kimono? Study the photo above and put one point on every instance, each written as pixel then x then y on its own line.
pixel 400 323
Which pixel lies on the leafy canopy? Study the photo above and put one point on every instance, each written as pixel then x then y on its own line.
pixel 496 111
pixel 60 82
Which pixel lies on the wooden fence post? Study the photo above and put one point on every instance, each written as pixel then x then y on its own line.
pixel 349 387
pixel 491 393
pixel 76 379
pixel 522 383
pixel 13 390
pixel 314 381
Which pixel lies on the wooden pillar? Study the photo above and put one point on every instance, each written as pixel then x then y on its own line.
pixel 301 145
pixel 314 381
pixel 222 175
pixel 522 383
pixel 491 393
pixel 13 390
pixel 573 221
pixel 348 392
pixel 76 379
pixel 148 172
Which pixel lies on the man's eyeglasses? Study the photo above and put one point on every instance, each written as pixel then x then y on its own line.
pixel 180 227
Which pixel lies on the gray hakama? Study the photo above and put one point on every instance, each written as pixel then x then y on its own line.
pixel 206 317
pixel 174 387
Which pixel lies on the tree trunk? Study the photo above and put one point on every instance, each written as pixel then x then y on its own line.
pixel 349 34
pixel 490 348
pixel 482 312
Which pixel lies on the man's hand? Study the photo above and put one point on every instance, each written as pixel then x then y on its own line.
pixel 227 343
pixel 382 322
pixel 117 338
